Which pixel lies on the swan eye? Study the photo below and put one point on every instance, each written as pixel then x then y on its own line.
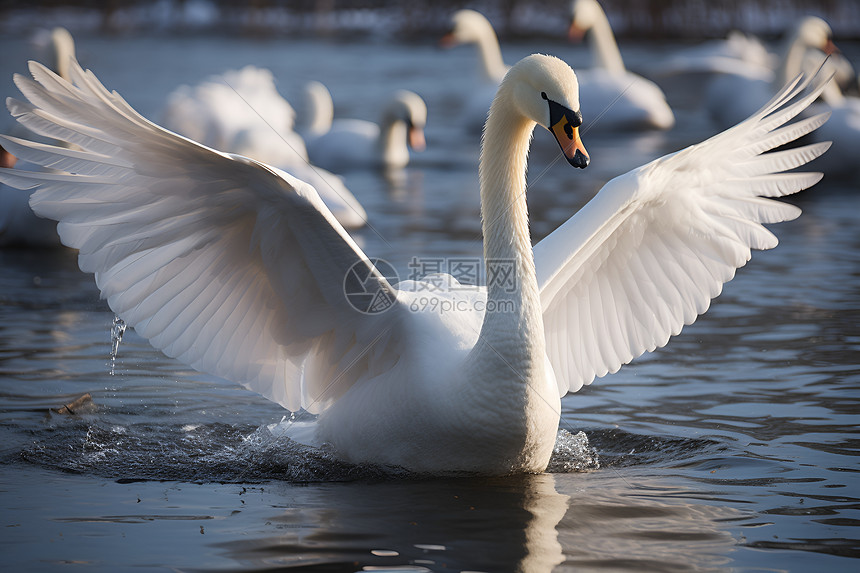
pixel 543 95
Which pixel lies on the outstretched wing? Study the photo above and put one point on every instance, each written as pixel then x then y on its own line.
pixel 648 253
pixel 227 264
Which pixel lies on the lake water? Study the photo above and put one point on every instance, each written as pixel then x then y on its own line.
pixel 734 448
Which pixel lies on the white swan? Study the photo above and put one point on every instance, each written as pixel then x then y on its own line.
pixel 242 112
pixel 471 27
pixel 19 226
pixel 238 269
pixel 617 98
pixel 730 97
pixel 357 143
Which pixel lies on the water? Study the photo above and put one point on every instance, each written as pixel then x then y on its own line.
pixel 734 448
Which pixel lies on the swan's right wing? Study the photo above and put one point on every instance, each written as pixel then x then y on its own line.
pixel 648 253
pixel 224 263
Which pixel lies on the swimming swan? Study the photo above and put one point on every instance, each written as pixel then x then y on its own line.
pixel 618 98
pixel 362 144
pixel 471 27
pixel 238 269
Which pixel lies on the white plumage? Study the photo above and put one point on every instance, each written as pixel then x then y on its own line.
pixel 237 268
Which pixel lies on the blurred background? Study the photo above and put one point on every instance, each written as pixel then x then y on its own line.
pixel 643 19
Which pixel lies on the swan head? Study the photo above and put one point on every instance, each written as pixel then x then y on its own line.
pixel 469 27
pixel 545 90
pixel 584 14
pixel 409 108
pixel 816 33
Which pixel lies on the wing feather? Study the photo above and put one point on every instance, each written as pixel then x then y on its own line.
pixel 648 253
pixel 226 264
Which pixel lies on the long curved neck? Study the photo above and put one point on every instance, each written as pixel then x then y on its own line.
pixel 491 55
pixel 393 134
pixel 792 61
pixel 604 48
pixel 513 323
pixel 504 156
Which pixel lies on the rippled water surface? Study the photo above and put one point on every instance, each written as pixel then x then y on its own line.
pixel 734 448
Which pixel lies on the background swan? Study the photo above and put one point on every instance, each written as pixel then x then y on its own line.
pixel 471 27
pixel 617 98
pixel 242 112
pixel 730 97
pixel 357 143
pixel 19 226
pixel 238 268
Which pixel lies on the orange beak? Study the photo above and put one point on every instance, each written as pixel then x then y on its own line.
pixel 448 40
pixel 575 33
pixel 416 139
pixel 571 145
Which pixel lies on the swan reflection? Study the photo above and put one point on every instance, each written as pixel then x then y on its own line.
pixel 601 519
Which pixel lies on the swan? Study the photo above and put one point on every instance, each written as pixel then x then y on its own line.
pixel 357 143
pixel 19 226
pixel 238 269
pixel 242 112
pixel 471 27
pixel 618 98
pixel 730 97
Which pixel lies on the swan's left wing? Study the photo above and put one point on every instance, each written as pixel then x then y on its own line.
pixel 648 253
pixel 229 265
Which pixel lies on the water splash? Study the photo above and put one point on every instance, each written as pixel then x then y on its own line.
pixel 116 332
pixel 206 452
pixel 572 453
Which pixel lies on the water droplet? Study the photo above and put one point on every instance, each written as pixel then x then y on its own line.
pixel 116 333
